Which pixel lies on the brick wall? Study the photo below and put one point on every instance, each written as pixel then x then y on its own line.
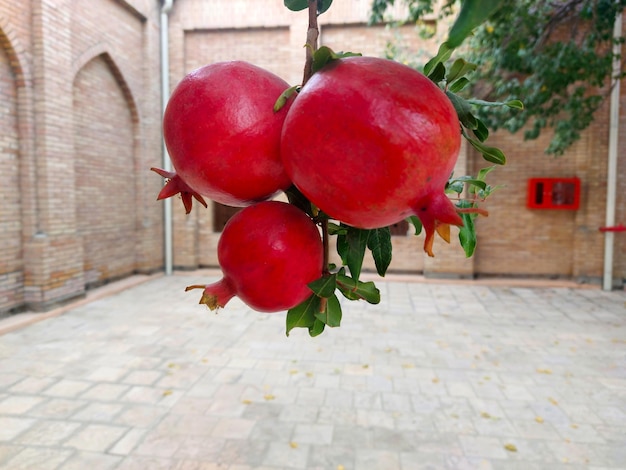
pixel 80 120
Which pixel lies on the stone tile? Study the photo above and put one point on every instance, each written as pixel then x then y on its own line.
pixel 32 385
pixel 91 461
pixel 11 427
pixel 19 404
pixel 67 388
pixel 57 408
pixel 47 433
pixel 40 458
pixel 142 377
pixel 233 428
pixel 98 412
pixel 95 437
pixel 285 456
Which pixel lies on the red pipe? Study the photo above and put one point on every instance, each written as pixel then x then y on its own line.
pixel 616 228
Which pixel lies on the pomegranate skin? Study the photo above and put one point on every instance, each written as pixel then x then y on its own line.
pixel 268 253
pixel 370 142
pixel 222 134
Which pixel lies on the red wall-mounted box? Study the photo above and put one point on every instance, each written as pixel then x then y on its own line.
pixel 553 193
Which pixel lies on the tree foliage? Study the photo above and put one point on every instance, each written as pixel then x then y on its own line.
pixel 556 55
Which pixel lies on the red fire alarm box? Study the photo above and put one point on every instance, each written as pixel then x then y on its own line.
pixel 553 193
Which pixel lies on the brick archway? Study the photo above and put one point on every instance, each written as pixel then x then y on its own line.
pixel 105 127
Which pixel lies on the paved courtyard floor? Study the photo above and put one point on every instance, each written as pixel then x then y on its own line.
pixel 439 375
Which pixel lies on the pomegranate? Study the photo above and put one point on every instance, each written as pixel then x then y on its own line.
pixel 223 136
pixel 268 253
pixel 370 142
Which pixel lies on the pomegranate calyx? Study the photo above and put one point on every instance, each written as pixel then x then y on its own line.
pixel 437 213
pixel 176 185
pixel 216 295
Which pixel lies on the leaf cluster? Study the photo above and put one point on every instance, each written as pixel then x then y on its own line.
pixel 557 55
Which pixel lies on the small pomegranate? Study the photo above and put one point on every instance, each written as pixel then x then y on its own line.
pixel 223 136
pixel 370 142
pixel 268 253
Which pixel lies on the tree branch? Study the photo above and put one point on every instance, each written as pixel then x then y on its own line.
pixel 311 41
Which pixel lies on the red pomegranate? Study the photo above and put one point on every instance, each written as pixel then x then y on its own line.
pixel 370 142
pixel 223 135
pixel 268 253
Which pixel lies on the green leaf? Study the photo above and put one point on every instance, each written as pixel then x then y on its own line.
pixel 354 249
pixel 463 110
pixel 443 54
pixel 331 315
pixel 297 5
pixel 491 154
pixel 303 315
pixel 317 328
pixel 324 286
pixel 334 229
pixel 481 131
pixel 284 97
pixel 467 233
pixel 379 243
pixel 438 73
pixel 325 54
pixel 515 104
pixel 459 68
pixel 357 290
pixel 416 222
pixel 323 5
pixel 473 13
pixel 459 85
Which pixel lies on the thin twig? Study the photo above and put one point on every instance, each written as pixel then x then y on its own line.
pixel 311 41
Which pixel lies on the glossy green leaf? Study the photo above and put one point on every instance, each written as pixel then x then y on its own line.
pixel 325 54
pixel 303 315
pixel 459 69
pixel 317 328
pixel 481 132
pixel 459 85
pixel 353 248
pixel 324 286
pixel 416 222
pixel 443 54
pixel 331 315
pixel 284 97
pixel 379 243
pixel 491 154
pixel 357 290
pixel 298 5
pixel 463 110
pixel 467 233
pixel 473 13
pixel 438 73
pixel 515 104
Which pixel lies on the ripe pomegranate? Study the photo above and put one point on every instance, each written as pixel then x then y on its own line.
pixel 268 253
pixel 223 136
pixel 370 142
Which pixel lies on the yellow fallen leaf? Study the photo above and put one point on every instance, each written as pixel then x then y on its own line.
pixel 485 415
pixel 269 397
pixel 341 467
pixel 293 445
pixel 544 371
pixel 246 402
pixel 293 372
pixel 435 380
pixel 553 401
pixel 539 419
pixel 309 374
pixel 510 447
pixel 574 426
pixel 167 392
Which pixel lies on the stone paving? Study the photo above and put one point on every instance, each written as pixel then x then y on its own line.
pixel 437 376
